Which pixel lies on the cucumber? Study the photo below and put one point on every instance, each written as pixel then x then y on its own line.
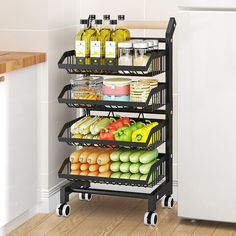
pixel 125 176
pixel 115 156
pixel 124 156
pixel 116 175
pixel 115 166
pixel 135 176
pixel 145 168
pixel 143 177
pixel 148 156
pixel 134 157
pixel 134 168
pixel 124 167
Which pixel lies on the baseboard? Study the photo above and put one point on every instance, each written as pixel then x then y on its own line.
pixel 50 198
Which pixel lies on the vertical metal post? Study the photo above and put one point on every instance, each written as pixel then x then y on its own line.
pixel 169 107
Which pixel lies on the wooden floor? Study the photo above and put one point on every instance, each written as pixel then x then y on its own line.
pixel 117 216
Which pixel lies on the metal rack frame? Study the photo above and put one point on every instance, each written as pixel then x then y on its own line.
pixel 82 185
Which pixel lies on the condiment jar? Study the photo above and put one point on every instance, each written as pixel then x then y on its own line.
pixel 141 55
pixel 155 44
pixel 150 45
pixel 86 87
pixel 125 54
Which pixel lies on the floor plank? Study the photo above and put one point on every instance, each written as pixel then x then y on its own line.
pixel 168 224
pixel 205 228
pixel 29 225
pixel 142 229
pixel 114 216
pixel 132 220
pixel 224 229
pixel 83 211
pixel 106 217
pixel 185 228
pixel 53 220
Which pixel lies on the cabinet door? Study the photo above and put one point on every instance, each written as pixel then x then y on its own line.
pixel 18 136
pixel 207 115
pixel 3 151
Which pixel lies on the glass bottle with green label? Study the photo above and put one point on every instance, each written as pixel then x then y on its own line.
pixel 95 42
pixel 111 51
pixel 79 43
pixel 89 32
pixel 105 33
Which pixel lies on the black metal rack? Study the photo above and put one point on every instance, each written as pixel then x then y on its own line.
pixel 157 61
pixel 159 101
pixel 156 137
pixel 155 100
pixel 155 175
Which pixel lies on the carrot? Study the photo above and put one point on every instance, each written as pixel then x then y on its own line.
pixel 92 158
pixel 93 173
pixel 84 155
pixel 84 166
pixel 75 172
pixel 85 172
pixel 75 166
pixel 105 174
pixel 93 167
pixel 104 168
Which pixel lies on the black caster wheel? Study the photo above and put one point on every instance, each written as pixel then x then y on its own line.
pixel 150 218
pixel 85 196
pixel 167 202
pixel 63 209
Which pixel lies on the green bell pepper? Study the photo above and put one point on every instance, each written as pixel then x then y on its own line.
pixel 124 134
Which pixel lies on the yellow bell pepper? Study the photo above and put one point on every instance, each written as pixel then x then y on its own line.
pixel 141 135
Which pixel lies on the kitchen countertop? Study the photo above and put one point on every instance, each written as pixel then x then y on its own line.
pixel 10 61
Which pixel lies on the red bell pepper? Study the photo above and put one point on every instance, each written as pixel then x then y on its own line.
pixel 125 121
pixel 107 133
pixel 120 123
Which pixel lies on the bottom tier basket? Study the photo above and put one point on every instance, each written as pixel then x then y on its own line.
pixel 155 176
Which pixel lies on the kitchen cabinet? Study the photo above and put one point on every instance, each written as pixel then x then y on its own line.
pixel 18 139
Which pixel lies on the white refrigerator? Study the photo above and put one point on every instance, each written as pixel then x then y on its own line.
pixel 207 110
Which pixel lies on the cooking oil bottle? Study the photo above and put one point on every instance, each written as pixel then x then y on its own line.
pixel 122 32
pixel 89 32
pixel 105 33
pixel 79 43
pixel 111 51
pixel 95 44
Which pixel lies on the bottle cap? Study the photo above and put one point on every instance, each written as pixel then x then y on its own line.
pixel 150 43
pixel 126 44
pixel 113 22
pixel 106 17
pixel 93 17
pixel 98 22
pixel 140 45
pixel 121 17
pixel 83 21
